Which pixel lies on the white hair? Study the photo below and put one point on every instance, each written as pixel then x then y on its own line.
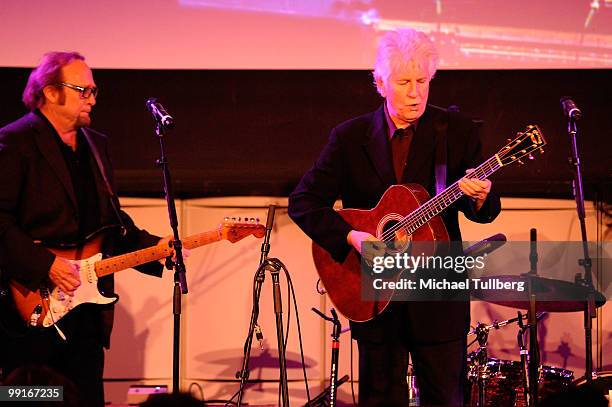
pixel 398 48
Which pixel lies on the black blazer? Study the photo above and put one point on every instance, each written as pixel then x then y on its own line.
pixel 37 202
pixel 356 166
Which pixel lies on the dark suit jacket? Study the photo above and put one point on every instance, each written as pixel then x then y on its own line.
pixel 38 203
pixel 356 165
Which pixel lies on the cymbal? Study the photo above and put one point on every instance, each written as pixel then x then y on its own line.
pixel 551 295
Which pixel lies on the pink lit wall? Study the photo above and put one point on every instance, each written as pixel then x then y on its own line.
pixel 307 34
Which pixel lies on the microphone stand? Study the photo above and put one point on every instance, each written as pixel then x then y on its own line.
pixel 534 349
pixel 482 336
pixel 180 282
pixel 524 362
pixel 335 355
pixel 273 266
pixel 586 263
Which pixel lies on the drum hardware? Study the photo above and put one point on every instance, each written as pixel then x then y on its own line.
pixel 524 357
pixel 601 381
pixel 548 292
pixel 544 295
pixel 481 368
pixel 482 336
pixel 505 385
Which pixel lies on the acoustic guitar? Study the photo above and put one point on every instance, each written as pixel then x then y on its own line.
pixel 405 215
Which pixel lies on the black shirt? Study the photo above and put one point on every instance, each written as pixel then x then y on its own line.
pixel 80 164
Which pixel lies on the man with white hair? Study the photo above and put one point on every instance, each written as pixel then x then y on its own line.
pixel 398 143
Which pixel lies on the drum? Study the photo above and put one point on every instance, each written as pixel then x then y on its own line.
pixel 602 381
pixel 553 380
pixel 504 383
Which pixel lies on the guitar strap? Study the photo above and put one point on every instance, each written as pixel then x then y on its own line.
pixel 113 197
pixel 441 153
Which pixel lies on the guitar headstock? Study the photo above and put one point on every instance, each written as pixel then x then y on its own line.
pixel 235 229
pixel 524 144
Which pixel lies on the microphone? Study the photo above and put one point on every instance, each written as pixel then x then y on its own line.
pixel 159 113
pixel 570 109
pixel 486 246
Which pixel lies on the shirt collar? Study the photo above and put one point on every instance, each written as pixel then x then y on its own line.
pixel 391 127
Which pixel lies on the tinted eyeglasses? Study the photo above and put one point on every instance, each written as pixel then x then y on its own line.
pixel 85 92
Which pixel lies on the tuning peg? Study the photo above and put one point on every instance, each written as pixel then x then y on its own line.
pixel 530 156
pixel 508 140
pixel 520 162
pixel 541 150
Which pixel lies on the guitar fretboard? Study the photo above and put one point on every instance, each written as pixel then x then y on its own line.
pixel 125 261
pixel 440 202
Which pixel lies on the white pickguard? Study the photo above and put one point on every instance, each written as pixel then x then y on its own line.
pixel 61 303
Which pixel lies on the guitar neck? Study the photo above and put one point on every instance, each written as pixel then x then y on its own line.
pixel 125 261
pixel 446 198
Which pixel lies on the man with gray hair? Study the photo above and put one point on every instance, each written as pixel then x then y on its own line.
pixel 400 142
pixel 57 188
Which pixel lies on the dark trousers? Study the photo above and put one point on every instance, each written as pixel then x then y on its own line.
pixel 80 358
pixel 440 366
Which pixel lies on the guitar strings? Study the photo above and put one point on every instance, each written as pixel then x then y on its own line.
pixel 438 203
pixel 434 206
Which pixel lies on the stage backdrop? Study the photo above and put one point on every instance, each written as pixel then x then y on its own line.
pixel 306 34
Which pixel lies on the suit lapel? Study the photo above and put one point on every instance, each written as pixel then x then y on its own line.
pixel 99 166
pixel 378 148
pixel 45 140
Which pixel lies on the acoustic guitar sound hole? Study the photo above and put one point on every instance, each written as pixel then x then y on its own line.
pixel 395 237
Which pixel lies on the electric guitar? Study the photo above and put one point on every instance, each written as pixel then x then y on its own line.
pixel 405 214
pixel 47 305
